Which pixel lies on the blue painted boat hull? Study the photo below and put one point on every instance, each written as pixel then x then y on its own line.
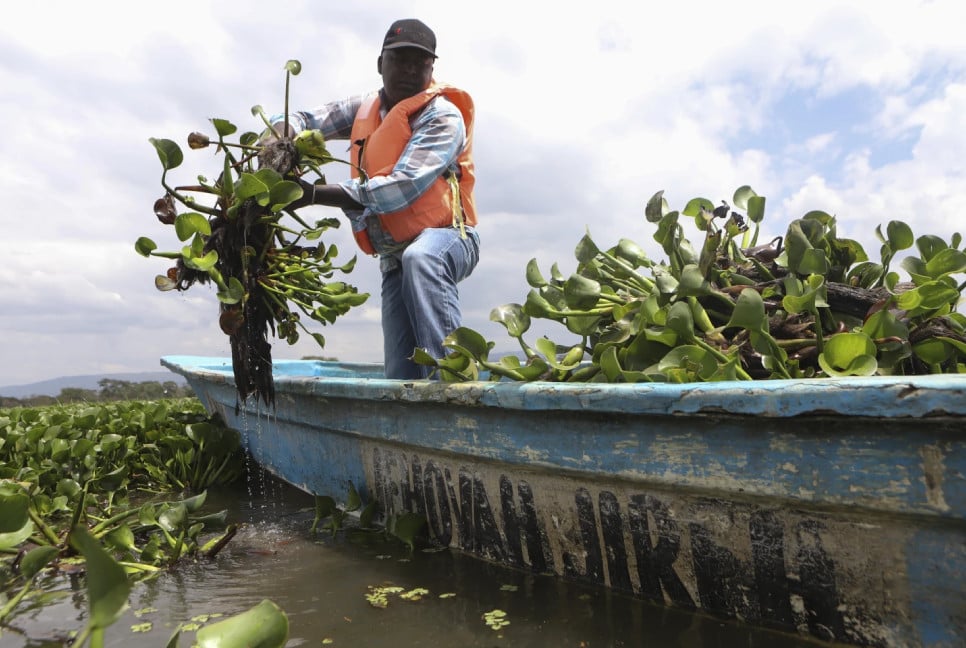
pixel 829 508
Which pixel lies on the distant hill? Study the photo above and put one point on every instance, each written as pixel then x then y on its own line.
pixel 54 386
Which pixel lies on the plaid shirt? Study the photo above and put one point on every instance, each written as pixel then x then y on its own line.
pixel 439 135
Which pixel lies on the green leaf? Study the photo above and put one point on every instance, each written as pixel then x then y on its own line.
pixel 585 324
pixel 581 293
pixel 695 205
pixel 283 193
pixel 223 127
pixel 107 585
pixel 884 324
pixel 824 218
pixel 813 261
pixel 121 538
pixel 749 312
pixel 656 207
pixel 407 526
pixel 812 297
pixel 917 270
pixel 932 351
pixel 610 365
pixel 632 253
pixel 194 503
pixel 936 294
pixel 13 539
pixel 929 246
pixel 899 235
pixel 469 342
pixel 353 500
pixel 756 208
pixel 946 261
pixel 534 276
pixel 311 143
pixel 188 224
pixel 203 263
pixel 235 292
pixel 367 515
pixel 538 306
pixel 13 510
pixel 742 195
pixel 249 186
pixel 680 320
pixel 36 559
pixel 173 517
pixel 848 354
pixel 697 360
pixel 145 246
pixel 865 274
pixel 693 282
pixel 168 152
pixel 512 316
pixel 586 249
pixel 262 626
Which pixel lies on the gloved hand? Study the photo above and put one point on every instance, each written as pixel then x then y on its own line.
pixel 308 195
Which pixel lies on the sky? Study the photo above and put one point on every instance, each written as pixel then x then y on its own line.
pixel 583 112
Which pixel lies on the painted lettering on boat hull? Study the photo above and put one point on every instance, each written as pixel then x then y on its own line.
pixel 764 564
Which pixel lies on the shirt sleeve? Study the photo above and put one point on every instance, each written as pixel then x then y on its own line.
pixel 333 120
pixel 439 135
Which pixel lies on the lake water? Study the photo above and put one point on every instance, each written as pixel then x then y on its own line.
pixel 321 583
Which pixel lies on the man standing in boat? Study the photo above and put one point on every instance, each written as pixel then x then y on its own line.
pixel 414 206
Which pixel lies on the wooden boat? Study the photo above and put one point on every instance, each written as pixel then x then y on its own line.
pixel 832 508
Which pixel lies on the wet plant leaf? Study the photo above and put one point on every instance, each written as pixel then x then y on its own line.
pixel 262 626
pixel 13 509
pixel 168 152
pixel 353 500
pixel 742 195
pixel 749 311
pixel 581 293
pixel 36 559
pixel 188 224
pixel 406 527
pixel 848 354
pixel 513 317
pixel 656 208
pixel 107 584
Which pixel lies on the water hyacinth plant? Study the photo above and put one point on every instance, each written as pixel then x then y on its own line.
pixel 116 490
pixel 269 266
pixel 807 304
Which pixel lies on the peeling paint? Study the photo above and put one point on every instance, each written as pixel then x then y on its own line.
pixel 932 476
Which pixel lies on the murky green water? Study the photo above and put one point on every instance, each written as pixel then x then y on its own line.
pixel 321 583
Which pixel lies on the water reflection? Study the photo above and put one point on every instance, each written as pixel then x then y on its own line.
pixel 321 582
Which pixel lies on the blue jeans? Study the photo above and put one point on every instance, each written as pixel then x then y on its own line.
pixel 420 300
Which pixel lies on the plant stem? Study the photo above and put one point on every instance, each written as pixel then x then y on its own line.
pixel 47 532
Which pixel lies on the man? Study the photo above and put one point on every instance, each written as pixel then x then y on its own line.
pixel 414 206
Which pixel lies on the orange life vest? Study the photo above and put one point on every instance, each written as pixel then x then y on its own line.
pixel 377 145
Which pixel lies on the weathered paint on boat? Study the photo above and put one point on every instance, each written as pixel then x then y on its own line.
pixel 832 508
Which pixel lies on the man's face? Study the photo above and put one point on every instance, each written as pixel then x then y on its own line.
pixel 405 71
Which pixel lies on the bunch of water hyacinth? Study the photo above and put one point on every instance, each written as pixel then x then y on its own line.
pixel 804 304
pixel 239 232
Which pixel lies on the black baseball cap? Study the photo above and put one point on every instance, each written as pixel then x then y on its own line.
pixel 410 32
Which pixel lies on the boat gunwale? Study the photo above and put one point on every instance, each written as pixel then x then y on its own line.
pixel 876 397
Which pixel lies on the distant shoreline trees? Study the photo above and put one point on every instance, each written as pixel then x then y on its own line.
pixel 109 389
